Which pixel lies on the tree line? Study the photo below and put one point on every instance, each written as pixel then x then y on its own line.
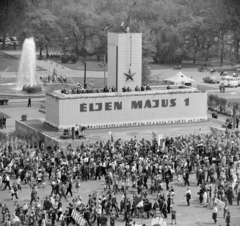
pixel 173 30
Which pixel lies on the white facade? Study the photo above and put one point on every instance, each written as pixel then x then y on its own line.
pixel 124 53
pixel 101 110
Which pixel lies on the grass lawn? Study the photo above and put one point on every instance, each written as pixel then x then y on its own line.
pixel 11 63
pixel 91 65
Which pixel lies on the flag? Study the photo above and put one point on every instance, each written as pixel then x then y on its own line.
pixel 106 28
pixel 78 218
pixel 154 136
pixel 127 23
pixel 112 137
pixel 69 146
pixel 139 202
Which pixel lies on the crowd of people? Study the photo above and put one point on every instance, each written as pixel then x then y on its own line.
pixel 79 88
pixel 144 167
pixel 54 78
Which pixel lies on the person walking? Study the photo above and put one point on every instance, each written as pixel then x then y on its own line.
pixel 62 192
pixel 7 183
pixel 4 122
pixel 214 213
pixel 238 197
pixel 228 219
pixel 29 102
pixel 220 88
pixel 225 209
pixel 174 218
pixel 69 188
pixel 33 195
pixel 188 196
pixel 186 178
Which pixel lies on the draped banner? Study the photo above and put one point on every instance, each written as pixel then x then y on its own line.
pixel 79 218
pixel 158 221
pixel 219 203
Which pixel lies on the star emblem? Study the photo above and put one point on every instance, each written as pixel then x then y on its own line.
pixel 129 75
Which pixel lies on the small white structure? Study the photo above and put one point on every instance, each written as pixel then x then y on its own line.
pixel 180 79
pixel 106 110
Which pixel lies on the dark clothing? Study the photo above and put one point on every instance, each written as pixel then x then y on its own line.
pixel 7 185
pixel 29 102
pixel 228 220
pixel 69 189
pixel 214 217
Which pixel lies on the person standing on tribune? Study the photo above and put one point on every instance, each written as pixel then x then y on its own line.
pixel 29 102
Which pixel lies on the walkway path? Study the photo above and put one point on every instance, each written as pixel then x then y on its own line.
pixel 49 66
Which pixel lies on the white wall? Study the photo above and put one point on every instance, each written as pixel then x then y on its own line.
pixel 52 111
pixel 129 51
pixel 181 107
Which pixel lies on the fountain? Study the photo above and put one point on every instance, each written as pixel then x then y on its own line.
pixel 27 68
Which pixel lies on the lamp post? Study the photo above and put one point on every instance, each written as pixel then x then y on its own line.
pixel 104 69
pixel 85 75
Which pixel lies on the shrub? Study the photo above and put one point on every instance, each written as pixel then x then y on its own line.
pixel 73 59
pixel 65 59
pixel 32 89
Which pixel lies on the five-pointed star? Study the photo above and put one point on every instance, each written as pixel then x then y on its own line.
pixel 129 75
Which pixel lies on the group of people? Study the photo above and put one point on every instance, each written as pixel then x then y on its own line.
pixel 138 165
pixel 54 78
pixel 51 56
pixel 79 88
pixel 3 122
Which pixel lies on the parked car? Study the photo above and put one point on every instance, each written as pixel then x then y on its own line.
pixel 229 81
pixel 13 40
pixel 4 100
pixel 237 78
pixel 211 79
pixel 7 41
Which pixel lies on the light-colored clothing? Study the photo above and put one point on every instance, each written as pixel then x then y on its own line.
pixel 215 209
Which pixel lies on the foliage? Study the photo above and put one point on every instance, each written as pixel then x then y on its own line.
pixel 235 106
pixel 146 72
pixel 172 30
pixel 169 46
pixel 32 89
pixel 12 13
pixel 66 58
pixel 217 103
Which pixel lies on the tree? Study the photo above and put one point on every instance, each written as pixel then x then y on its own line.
pixel 148 39
pixel 12 13
pixel 41 24
pixel 146 72
pixel 169 46
pixel 79 24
